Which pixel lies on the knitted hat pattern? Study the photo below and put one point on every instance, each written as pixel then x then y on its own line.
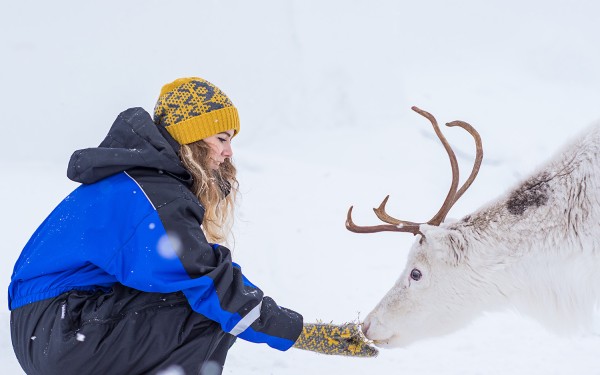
pixel 192 109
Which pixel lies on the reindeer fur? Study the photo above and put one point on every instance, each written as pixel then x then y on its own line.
pixel 535 249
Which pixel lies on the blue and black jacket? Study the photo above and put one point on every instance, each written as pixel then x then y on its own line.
pixel 135 221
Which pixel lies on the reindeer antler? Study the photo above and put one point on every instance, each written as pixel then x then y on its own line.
pixel 400 227
pixel 395 225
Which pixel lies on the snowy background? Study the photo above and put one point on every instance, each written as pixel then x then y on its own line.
pixel 324 90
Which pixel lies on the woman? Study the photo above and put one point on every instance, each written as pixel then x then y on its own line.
pixel 126 275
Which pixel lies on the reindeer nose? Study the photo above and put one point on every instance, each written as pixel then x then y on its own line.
pixel 365 326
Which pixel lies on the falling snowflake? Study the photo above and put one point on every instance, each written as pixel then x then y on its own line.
pixel 172 370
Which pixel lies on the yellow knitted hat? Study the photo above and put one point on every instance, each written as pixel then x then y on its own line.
pixel 192 109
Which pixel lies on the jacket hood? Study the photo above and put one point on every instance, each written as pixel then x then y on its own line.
pixel 132 141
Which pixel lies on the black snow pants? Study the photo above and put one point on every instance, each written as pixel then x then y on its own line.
pixel 122 331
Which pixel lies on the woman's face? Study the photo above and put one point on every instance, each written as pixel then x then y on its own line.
pixel 220 148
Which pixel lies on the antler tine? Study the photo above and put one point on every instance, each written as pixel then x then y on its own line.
pixel 384 216
pixel 450 198
pixel 414 229
pixel 478 156
pixel 395 225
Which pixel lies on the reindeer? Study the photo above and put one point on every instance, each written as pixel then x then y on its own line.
pixel 536 249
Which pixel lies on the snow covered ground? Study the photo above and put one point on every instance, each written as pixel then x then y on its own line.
pixel 324 90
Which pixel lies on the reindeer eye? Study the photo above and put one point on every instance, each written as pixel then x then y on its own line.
pixel 415 274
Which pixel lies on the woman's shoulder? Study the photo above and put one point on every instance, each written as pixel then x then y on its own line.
pixel 163 188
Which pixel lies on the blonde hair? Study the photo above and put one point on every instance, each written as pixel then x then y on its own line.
pixel 216 190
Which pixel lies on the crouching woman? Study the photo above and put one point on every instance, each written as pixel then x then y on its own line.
pixel 126 275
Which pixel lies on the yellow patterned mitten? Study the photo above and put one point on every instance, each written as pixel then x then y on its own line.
pixel 346 339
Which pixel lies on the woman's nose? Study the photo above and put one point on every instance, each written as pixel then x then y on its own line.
pixel 228 151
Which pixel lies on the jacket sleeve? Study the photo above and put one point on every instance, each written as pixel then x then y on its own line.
pixel 168 252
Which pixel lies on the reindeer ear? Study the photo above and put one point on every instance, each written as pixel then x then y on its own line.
pixel 456 247
pixel 446 244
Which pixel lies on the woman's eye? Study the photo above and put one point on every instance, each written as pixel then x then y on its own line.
pixel 415 274
pixel 223 140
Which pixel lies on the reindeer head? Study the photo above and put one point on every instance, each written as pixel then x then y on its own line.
pixel 423 303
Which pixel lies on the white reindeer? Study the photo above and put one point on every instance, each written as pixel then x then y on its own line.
pixel 536 249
